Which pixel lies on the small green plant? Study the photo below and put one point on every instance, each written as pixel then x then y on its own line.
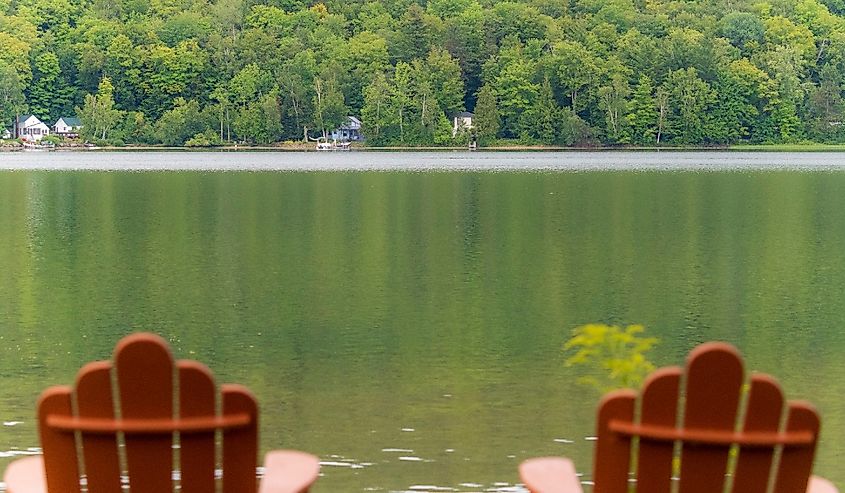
pixel 614 357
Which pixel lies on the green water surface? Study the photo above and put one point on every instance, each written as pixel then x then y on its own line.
pixel 407 327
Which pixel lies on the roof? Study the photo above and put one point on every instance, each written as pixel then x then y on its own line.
pixel 352 123
pixel 70 121
pixel 22 120
pixel 464 114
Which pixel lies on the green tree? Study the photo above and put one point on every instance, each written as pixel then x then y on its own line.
pixel 689 97
pixel 329 107
pixel 378 115
pixel 413 36
pixel 47 95
pixel 401 97
pixel 98 114
pixel 443 75
pixel 642 117
pixel 577 70
pixel 486 120
pixel 15 53
pixel 260 121
pixel 784 66
pixel 613 99
pixel 744 30
pixel 743 91
pixel 361 58
pixel 12 102
pixel 223 108
pixel 168 73
pixel 121 67
pixel 540 122
pixel 515 93
pixel 466 40
pixel 179 123
pixel 826 106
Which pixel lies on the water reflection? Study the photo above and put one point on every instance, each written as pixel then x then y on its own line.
pixel 358 305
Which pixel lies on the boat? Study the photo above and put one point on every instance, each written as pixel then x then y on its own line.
pixel 333 146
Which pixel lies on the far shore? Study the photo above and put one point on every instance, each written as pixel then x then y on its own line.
pixel 302 146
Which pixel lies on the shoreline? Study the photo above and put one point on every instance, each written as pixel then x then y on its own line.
pixel 302 147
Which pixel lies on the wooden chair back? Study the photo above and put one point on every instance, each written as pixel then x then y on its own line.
pixel 150 423
pixel 706 427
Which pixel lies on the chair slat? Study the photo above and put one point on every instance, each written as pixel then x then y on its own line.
pixel 659 407
pixel 94 400
pixel 613 451
pixel 59 448
pixel 763 413
pixel 145 383
pixel 713 383
pixel 796 463
pixel 196 453
pixel 240 446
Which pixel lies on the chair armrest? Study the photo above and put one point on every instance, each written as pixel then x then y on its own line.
pixel 26 476
pixel 289 471
pixel 549 475
pixel 820 485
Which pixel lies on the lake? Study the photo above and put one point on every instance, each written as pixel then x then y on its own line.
pixel 402 315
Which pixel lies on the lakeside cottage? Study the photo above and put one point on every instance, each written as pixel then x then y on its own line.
pixel 68 127
pixel 30 128
pixel 462 120
pixel 349 131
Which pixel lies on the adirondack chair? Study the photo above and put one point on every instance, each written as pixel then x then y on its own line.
pixel 153 435
pixel 714 381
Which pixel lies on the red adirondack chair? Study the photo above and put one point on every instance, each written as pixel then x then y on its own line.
pixel 713 379
pixel 153 434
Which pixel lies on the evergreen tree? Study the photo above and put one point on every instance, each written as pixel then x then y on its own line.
pixel 541 120
pixel 486 119
pixel 826 106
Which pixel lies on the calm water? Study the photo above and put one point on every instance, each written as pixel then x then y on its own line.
pixel 407 327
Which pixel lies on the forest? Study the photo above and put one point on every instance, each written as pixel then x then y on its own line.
pixel 533 72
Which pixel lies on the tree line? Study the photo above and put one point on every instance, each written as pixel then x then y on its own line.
pixel 563 72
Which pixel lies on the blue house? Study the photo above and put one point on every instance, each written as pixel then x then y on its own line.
pixel 349 131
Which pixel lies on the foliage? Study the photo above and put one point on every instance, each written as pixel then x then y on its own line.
pixel 614 357
pixel 486 121
pixel 98 114
pixel 51 139
pixel 208 138
pixel 11 95
pixel 568 73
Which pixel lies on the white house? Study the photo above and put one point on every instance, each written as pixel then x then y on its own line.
pixel 5 134
pixel 462 120
pixel 31 128
pixel 67 126
pixel 349 131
